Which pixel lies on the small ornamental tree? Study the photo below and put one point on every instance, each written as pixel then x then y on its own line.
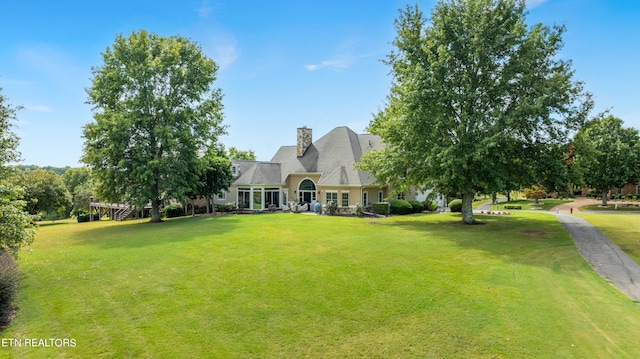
pixel 535 193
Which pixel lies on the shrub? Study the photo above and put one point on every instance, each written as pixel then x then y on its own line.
pixel 512 206
pixel 456 205
pixel 417 206
pixel 430 205
pixel 535 193
pixel 229 207
pixel 381 208
pixel 173 210
pixel 9 277
pixel 359 210
pixel 332 207
pixel 400 206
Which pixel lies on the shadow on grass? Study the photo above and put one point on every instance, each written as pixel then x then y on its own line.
pixel 142 233
pixel 527 238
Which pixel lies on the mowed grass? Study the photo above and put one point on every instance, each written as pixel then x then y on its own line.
pixel 543 204
pixel 291 286
pixel 622 229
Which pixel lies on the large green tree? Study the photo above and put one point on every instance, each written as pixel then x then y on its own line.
pixel 44 192
pixel 16 226
pixel 155 109
pixel 476 95
pixel 608 154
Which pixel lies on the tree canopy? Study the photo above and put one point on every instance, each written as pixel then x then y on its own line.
pixel 155 111
pixel 608 154
pixel 16 226
pixel 477 96
pixel 44 191
pixel 217 176
pixel 236 154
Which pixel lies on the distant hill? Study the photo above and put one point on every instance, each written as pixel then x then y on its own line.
pixel 56 170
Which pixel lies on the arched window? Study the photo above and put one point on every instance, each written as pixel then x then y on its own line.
pixel 307 191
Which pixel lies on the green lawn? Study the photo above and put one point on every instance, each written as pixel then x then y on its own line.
pixel 610 208
pixel 291 286
pixel 622 229
pixel 543 204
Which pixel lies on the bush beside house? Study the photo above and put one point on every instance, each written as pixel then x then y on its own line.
pixel 456 205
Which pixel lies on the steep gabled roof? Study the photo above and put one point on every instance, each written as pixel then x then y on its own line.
pixel 254 173
pixel 334 155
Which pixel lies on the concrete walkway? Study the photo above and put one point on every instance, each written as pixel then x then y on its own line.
pixel 604 256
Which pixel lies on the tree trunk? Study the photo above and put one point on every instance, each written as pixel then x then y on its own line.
pixel 604 198
pixel 467 208
pixel 155 211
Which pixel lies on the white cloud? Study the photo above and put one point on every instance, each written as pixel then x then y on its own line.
pixel 40 108
pixel 535 3
pixel 337 63
pixel 204 10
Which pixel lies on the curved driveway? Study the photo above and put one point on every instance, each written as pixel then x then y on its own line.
pixel 604 256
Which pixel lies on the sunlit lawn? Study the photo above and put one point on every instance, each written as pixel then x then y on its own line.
pixel 291 286
pixel 543 204
pixel 622 229
pixel 611 207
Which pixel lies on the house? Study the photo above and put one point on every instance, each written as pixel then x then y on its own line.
pixel 629 188
pixel 309 171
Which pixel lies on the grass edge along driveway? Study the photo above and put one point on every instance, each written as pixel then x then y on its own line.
pixel 289 285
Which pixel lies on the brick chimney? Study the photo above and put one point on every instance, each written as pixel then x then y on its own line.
pixel 304 140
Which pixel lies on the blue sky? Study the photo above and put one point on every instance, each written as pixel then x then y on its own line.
pixel 283 64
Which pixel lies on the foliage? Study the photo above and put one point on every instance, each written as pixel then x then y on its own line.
pixel 359 210
pixel 608 154
pixel 236 154
pixel 44 191
pixel 430 205
pixel 477 96
pixel 229 207
pixel 400 206
pixel 381 208
pixel 455 205
pixel 332 207
pixel 512 206
pixel 155 112
pixel 16 226
pixel 535 192
pixel 9 278
pixel 217 175
pixel 417 206
pixel 57 170
pixel 173 210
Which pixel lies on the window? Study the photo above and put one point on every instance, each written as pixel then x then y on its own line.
pixel 380 196
pixel 222 196
pixel 619 190
pixel 306 191
pixel 332 196
pixel 234 170
pixel 271 196
pixel 244 196
pixel 638 189
pixel 345 199
pixel 365 199
pixel 400 195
